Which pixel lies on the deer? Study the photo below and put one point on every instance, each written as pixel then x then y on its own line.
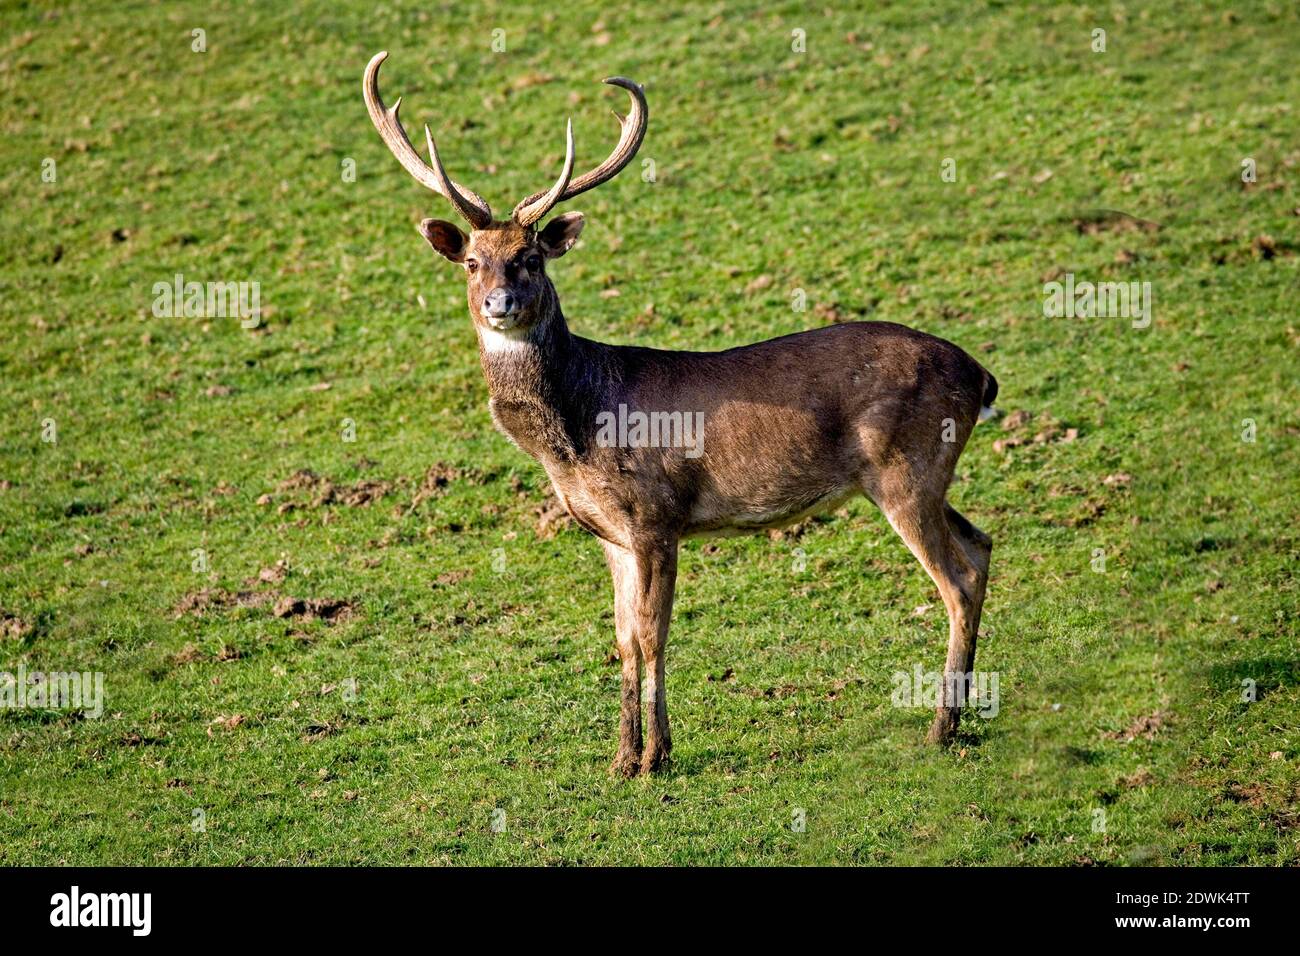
pixel 792 426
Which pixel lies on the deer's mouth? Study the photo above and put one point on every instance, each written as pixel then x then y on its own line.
pixel 503 322
pixel 512 327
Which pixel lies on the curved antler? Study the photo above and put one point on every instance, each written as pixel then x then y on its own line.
pixel 467 202
pixel 632 132
pixel 528 212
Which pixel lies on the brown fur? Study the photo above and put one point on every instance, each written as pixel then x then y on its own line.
pixel 791 425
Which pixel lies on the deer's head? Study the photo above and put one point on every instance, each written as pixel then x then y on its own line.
pixel 504 260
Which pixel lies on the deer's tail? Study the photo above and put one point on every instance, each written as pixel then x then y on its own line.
pixel 990 393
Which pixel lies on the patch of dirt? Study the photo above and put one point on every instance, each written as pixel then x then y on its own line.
pixel 362 493
pixel 13 627
pixel 226 723
pixel 137 739
pixel 451 577
pixel 270 575
pixel 837 686
pixel 1086 513
pixel 1017 419
pixel 317 732
pixel 219 598
pixel 435 483
pixel 330 610
pixel 1142 777
pixel 1145 727
pixel 793 532
pixel 1263 247
pixel 1252 794
pixel 1048 431
pixel 306 489
pixel 207 599
pixel 1102 221
pixel 301 480
pixel 530 79
pixel 551 517
pixel 189 654
pixel 829 313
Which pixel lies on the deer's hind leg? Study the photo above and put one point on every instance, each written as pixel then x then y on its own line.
pixel 956 556
pixel 656 566
pixel 978 547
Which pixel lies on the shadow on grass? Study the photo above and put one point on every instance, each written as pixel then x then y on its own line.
pixel 1268 673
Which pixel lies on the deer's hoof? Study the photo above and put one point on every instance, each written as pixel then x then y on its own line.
pixel 944 729
pixel 625 765
pixel 654 759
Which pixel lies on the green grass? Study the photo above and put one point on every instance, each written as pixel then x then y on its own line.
pixel 496 689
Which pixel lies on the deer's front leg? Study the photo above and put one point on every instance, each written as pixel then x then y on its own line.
pixel 644 583
pixel 622 568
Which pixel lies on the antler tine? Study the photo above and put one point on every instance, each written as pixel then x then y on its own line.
pixel 527 213
pixel 632 132
pixel 466 202
pixel 473 209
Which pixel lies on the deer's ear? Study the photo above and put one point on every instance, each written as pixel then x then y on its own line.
pixel 561 233
pixel 447 239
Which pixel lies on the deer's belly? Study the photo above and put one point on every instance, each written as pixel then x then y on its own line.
pixel 622 509
pixel 719 515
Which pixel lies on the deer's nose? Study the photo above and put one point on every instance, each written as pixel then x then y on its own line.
pixel 499 303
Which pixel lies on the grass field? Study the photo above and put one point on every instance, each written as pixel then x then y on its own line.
pixel 328 651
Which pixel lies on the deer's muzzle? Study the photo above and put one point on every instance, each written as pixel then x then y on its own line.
pixel 500 303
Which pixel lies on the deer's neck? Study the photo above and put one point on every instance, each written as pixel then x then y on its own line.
pixel 544 386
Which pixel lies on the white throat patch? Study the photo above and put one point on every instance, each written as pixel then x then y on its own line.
pixel 511 341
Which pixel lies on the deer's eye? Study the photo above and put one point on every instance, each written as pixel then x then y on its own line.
pixel 471 265
pixel 533 262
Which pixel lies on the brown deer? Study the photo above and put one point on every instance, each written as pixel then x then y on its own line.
pixel 792 425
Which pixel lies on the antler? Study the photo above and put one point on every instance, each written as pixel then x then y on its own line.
pixel 467 202
pixel 632 132
pixel 529 211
